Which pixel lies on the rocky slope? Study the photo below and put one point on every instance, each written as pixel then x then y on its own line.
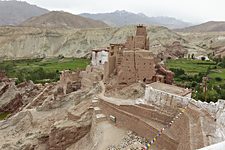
pixel 211 26
pixel 15 12
pixel 44 118
pixel 29 42
pixel 52 120
pixel 60 19
pixel 122 18
pixel 212 42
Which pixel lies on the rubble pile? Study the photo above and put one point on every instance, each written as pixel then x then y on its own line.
pixel 44 118
pixel 131 142
pixel 134 91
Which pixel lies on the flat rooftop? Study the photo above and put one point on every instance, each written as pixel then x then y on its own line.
pixel 170 88
pixel 100 50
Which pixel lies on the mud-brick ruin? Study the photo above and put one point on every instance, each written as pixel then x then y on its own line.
pixel 123 100
pixel 131 61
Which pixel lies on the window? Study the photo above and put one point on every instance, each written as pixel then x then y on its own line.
pixel 144 80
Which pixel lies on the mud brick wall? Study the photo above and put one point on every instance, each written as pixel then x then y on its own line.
pixel 127 71
pixel 145 65
pixel 141 30
pixel 181 129
pixel 130 43
pixel 130 122
pixel 140 42
pixel 148 113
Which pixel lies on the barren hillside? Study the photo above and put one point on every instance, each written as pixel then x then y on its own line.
pixel 122 18
pixel 15 12
pixel 29 42
pixel 60 19
pixel 211 26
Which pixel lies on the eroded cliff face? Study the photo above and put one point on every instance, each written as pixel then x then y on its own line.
pixel 28 42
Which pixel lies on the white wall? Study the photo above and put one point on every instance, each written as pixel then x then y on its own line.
pixel 162 98
pixel 99 58
pixel 219 146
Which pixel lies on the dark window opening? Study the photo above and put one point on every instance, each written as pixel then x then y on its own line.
pixel 144 80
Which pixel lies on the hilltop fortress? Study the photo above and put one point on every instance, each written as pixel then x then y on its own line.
pixel 131 61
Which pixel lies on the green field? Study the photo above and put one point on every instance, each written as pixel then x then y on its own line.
pixel 191 66
pixel 194 67
pixel 217 73
pixel 189 73
pixel 41 70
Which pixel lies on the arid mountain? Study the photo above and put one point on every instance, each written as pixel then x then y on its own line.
pixel 30 42
pixel 15 12
pixel 34 42
pixel 60 19
pixel 211 26
pixel 122 18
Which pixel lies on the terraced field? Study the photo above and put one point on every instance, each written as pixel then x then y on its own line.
pixel 41 70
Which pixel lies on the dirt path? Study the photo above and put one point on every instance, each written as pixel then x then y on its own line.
pixel 105 135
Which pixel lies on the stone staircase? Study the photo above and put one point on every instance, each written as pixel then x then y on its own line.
pixel 98 116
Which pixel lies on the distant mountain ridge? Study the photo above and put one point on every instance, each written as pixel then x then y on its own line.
pixel 15 12
pixel 60 19
pixel 211 26
pixel 122 18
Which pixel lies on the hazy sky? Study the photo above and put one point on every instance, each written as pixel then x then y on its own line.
pixel 188 10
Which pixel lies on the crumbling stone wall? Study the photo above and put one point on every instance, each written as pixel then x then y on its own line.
pixel 169 75
pixel 91 76
pixel 162 98
pixel 70 81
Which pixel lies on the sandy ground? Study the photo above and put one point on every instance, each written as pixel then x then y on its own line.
pixel 111 135
pixel 100 138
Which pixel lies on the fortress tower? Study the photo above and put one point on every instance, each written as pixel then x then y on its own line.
pixel 132 61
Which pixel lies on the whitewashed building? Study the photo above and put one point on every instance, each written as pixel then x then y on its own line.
pixel 99 56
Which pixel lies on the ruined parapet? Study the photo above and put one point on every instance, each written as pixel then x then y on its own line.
pixel 140 40
pixel 141 31
pixel 168 75
pixel 70 81
pixel 91 76
pixel 162 94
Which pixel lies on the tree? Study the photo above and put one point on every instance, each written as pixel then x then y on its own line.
pixel 192 56
pixel 218 79
pixel 203 58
